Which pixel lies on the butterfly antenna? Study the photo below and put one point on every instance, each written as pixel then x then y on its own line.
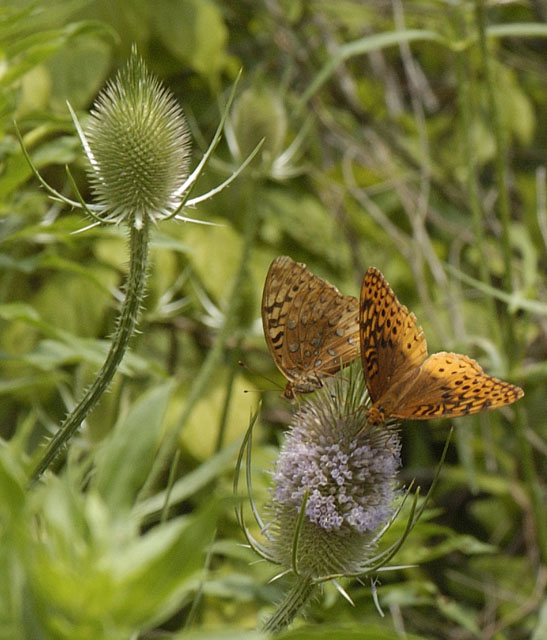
pixel 261 375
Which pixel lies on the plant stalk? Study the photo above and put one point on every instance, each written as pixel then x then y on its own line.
pixel 466 104
pixel 500 166
pixel 294 601
pixel 125 327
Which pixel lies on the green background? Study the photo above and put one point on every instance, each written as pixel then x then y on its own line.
pixel 382 148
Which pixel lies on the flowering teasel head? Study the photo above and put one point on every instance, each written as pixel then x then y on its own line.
pixel 334 494
pixel 334 484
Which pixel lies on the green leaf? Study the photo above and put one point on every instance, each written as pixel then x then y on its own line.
pixel 61 150
pixel 12 482
pixel 518 30
pixel 126 456
pixel 158 570
pixel 220 634
pixel 362 46
pixel 200 433
pixel 189 484
pixel 464 616
pixel 24 53
pixel 78 77
pixel 89 566
pixel 20 311
pixel 514 301
pixel 222 242
pixel 64 348
pixel 49 354
pixel 85 313
pixel 304 220
pixel 408 593
pixel 540 631
pixel 31 384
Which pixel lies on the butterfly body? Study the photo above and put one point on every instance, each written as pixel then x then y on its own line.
pixel 311 329
pixel 301 384
pixel 403 382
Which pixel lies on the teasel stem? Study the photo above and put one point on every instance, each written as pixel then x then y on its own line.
pixel 125 327
pixel 525 451
pixel 295 600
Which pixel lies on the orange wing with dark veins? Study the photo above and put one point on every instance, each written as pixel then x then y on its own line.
pixel 450 385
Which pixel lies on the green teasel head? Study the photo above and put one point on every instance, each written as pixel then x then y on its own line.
pixel 138 146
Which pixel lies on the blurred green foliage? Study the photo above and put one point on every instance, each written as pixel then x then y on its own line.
pixel 370 168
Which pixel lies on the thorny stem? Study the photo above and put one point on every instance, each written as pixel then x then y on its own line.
pixel 125 327
pixel 525 451
pixel 294 601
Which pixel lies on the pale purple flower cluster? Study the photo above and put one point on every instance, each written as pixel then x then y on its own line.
pixel 349 479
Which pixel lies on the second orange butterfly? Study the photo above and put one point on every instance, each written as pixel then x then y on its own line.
pixel 402 381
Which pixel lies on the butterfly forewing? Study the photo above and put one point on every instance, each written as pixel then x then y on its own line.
pixel 392 344
pixel 276 300
pixel 311 329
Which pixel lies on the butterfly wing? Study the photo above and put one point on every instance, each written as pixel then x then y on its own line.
pixel 311 329
pixel 450 385
pixel 323 327
pixel 283 280
pixel 393 346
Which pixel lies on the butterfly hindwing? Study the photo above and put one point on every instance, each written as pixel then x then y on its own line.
pixel 450 385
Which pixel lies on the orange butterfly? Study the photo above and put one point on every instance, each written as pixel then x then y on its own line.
pixel 403 383
pixel 311 329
